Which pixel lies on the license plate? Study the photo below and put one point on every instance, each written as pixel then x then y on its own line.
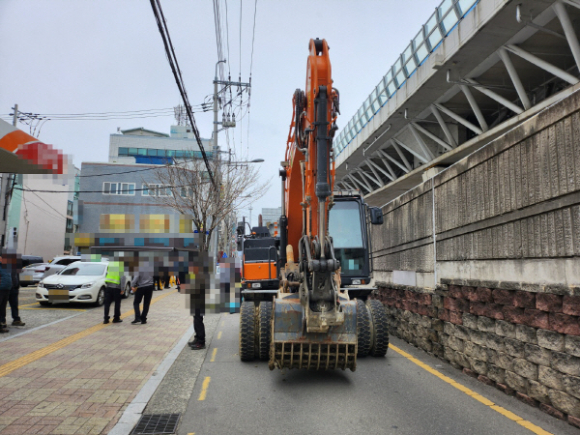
pixel 256 285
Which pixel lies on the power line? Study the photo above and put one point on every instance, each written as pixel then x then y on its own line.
pixel 172 59
pixel 240 40
pixel 50 206
pixel 228 38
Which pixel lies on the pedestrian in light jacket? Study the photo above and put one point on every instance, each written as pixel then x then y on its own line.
pixel 143 289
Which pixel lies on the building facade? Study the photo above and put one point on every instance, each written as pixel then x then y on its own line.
pixel 41 214
pixel 141 146
pixel 118 204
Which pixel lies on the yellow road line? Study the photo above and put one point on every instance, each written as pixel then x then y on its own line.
pixel 204 388
pixel 36 355
pixel 219 335
pixel 508 414
pixel 213 355
pixel 27 305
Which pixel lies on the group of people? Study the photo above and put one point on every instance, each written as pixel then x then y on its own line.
pixel 9 289
pixel 142 286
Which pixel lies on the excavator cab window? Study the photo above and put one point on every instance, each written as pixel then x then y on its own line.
pixel 348 237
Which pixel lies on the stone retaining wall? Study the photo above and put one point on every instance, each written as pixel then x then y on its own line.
pixel 525 343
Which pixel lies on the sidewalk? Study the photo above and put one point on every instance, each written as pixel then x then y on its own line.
pixel 78 376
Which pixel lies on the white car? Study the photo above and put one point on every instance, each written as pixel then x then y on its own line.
pixel 78 282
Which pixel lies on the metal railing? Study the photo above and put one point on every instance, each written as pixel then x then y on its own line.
pixel 445 18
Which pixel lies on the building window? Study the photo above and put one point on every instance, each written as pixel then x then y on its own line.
pixel 156 190
pixel 186 192
pixel 123 151
pixel 69 225
pixel 118 188
pixel 69 208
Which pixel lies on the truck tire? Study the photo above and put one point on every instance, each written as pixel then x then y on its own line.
pixel 247 331
pixel 265 329
pixel 380 328
pixel 363 329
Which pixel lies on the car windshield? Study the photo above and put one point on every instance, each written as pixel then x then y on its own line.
pixel 84 269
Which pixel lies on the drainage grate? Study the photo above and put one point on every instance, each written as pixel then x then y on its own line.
pixel 156 424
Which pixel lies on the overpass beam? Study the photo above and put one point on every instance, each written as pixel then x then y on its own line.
pixel 433 137
pixel 402 156
pixel 377 176
pixel 361 186
pixel 575 3
pixel 391 176
pixel 571 37
pixel 421 142
pixel 459 119
pixel 406 166
pixel 496 97
pixel 542 64
pixel 344 183
pixel 443 125
pixel 475 107
pixel 360 171
pixel 515 78
pixel 419 156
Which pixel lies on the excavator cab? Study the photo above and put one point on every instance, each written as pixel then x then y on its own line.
pixel 349 220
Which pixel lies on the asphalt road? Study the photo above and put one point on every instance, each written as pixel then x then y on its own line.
pixel 391 395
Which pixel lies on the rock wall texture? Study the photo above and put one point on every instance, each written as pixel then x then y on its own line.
pixel 526 344
pixel 480 265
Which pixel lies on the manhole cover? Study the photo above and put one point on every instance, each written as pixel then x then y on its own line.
pixel 157 424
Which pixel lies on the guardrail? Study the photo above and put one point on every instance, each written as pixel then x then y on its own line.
pixel 445 18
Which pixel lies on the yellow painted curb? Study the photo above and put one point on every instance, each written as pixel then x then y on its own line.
pixel 508 414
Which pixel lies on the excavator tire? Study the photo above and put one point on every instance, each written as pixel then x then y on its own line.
pixel 265 330
pixel 380 335
pixel 363 326
pixel 247 330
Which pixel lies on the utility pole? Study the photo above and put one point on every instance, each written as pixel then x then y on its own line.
pixel 5 191
pixel 225 124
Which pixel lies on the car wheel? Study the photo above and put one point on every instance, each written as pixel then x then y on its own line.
pixel 127 291
pixel 100 297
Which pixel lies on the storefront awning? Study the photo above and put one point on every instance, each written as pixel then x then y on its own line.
pixel 21 153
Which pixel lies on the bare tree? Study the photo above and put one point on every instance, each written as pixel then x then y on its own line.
pixel 187 188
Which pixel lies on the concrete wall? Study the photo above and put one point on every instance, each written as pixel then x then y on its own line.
pixel 480 265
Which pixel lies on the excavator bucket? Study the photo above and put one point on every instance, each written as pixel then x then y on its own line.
pixel 293 347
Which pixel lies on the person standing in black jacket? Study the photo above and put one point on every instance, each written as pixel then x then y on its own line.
pixel 14 291
pixel 5 287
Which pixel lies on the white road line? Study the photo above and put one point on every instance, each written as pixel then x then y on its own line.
pixel 38 327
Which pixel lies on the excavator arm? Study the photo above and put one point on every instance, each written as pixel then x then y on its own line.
pixel 311 285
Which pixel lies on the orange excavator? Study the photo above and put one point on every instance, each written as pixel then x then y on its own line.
pixel 311 322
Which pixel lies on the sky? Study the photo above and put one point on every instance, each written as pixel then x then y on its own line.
pixel 72 57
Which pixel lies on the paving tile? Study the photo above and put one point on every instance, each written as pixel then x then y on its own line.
pixel 83 387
